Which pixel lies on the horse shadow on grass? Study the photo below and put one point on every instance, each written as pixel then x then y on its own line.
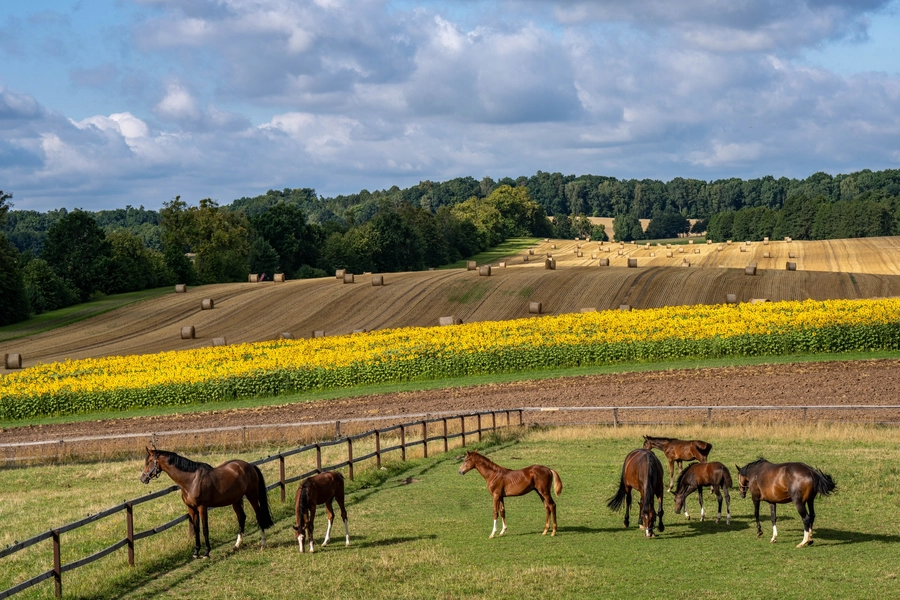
pixel 684 528
pixel 840 536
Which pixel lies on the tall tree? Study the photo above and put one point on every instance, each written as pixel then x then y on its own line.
pixel 77 250
pixel 14 304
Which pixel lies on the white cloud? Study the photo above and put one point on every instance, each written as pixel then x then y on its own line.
pixel 178 104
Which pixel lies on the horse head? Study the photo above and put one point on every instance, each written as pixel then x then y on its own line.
pixel 151 466
pixel 468 462
pixel 679 501
pixel 647 444
pixel 743 480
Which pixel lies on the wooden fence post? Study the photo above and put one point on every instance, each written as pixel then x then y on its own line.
pixel 425 437
pixel 378 448
pixel 445 434
pixel 479 426
pixel 281 475
pixel 403 442
pixel 129 531
pixel 615 417
pixel 318 457
pixel 57 564
pixel 521 418
pixel 462 424
pixel 350 456
pixel 493 421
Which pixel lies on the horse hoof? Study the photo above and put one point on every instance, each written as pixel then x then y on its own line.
pixel 196 556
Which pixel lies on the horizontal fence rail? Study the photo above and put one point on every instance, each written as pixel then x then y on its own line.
pixel 128 506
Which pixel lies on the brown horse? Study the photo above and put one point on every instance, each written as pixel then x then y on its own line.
pixel 503 482
pixel 782 483
pixel 677 451
pixel 319 489
pixel 204 487
pixel 641 471
pixel 715 475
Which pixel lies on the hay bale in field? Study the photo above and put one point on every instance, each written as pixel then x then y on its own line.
pixel 653 255
pixel 525 258
pixel 550 264
pixel 553 246
pixel 253 278
pixel 625 307
pixel 471 265
pixel 668 245
pixel 730 298
pixel 787 239
pixel 792 255
pixel 546 240
pixel 535 308
pixel 578 246
pixel 286 335
pixel 696 250
pixel 359 331
pixel 502 264
pixel 180 288
pixel 219 341
pixel 188 332
pixel 681 250
pixel 580 255
pixel 791 266
pixel 207 304
pixel 318 333
pixel 747 243
pixel 12 361
pixel 767 255
pixel 728 242
pixel 606 249
pixel 743 249
pixel 604 262
pixel 621 252
pixel 279 278
pixel 685 263
pixel 759 300
pixel 766 241
pixel 339 273
pixel 451 320
pixel 593 256
pixel 691 242
pixel 709 242
pixel 632 263
pixel 530 251
pixel 750 270
pixel 669 254
pixel 588 310
pixel 348 278
pixel 484 271
pixel 377 280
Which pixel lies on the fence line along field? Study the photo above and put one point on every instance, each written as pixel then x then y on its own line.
pixel 421 527
pixel 263 311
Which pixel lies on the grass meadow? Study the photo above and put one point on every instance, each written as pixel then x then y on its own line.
pixel 420 530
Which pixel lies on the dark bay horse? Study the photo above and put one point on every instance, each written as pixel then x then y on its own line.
pixel 503 482
pixel 641 471
pixel 677 451
pixel 713 474
pixel 782 483
pixel 204 487
pixel 321 488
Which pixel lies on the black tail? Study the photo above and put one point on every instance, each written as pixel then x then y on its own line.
pixel 263 516
pixel 654 473
pixel 615 503
pixel 824 483
pixel 703 448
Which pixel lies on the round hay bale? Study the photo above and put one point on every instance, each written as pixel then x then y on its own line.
pixel 339 273
pixel 348 278
pixel 219 341
pixel 531 252
pixel 669 254
pixel 188 332
pixel 377 280
pixel 207 304
pixel 607 249
pixel 728 242
pixel 691 242
pixel 696 250
pixel 685 263
pixel 279 277
pixel 792 255
pixel 747 243
pixel 535 308
pixel 580 254
pixel 12 361
pixel 767 255
pixel 653 255
pixel 621 252
pixel 253 278
pixel 588 310
pixel 621 244
pixel 604 262
pixel 730 298
pixel 593 255
pixel 451 320
pixel 743 249
pixel 180 288
pixel 318 333
pixel 625 307
pixel 286 335
pixel 546 240
pixel 632 263
pixel 787 239
pixel 359 331
pixel 791 266
pixel 550 264
pixel 502 264
pixel 553 246
pixel 668 245
pixel 750 270
pixel 759 300
pixel 484 271
pixel 471 265
pixel 524 259
pixel 681 250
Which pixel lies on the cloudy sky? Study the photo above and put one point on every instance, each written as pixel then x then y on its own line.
pixel 105 103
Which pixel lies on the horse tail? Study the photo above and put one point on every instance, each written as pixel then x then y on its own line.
pixel 704 448
pixel 654 472
pixel 823 482
pixel 726 477
pixel 263 515
pixel 615 502
pixel 557 483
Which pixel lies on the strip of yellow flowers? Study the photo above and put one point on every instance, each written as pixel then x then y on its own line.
pixel 604 327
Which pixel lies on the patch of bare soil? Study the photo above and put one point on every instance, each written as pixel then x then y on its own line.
pixel 835 384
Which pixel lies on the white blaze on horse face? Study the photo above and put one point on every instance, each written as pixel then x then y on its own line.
pixel 774 533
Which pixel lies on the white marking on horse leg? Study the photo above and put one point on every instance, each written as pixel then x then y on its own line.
pixel 327 533
pixel 311 541
pixel 807 539
pixel 240 539
pixel 702 513
pixel 494 530
pixel 503 530
pixel 728 518
pixel 774 533
pixel 300 541
pixel 262 535
pixel 347 531
pixel 686 515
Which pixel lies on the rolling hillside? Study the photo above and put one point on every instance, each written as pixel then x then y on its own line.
pixel 246 312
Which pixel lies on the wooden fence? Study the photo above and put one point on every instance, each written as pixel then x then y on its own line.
pixel 425 437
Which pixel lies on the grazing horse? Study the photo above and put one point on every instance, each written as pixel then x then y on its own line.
pixel 677 451
pixel 503 482
pixel 641 471
pixel 321 488
pixel 782 483
pixel 713 474
pixel 204 487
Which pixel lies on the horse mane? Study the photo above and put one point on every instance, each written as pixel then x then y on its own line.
pixel 755 463
pixel 657 438
pixel 182 463
pixel 490 463
pixel 681 477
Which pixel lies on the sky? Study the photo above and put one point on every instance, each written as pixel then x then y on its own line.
pixel 109 103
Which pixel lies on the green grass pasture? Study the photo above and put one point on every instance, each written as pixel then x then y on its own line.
pixel 506 249
pixel 420 530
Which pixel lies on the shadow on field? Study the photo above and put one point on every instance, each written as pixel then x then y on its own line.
pixel 839 536
pixel 683 528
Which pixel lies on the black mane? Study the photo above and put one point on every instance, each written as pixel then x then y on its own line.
pixel 754 463
pixel 183 464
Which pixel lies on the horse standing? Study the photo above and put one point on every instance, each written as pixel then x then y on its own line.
pixel 677 451
pixel 641 471
pixel 319 489
pixel 503 482
pixel 204 487
pixel 782 483
pixel 713 474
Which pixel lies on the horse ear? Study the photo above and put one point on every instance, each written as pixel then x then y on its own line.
pixel 737 467
pixel 148 450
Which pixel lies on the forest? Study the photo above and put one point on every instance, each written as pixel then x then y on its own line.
pixel 57 258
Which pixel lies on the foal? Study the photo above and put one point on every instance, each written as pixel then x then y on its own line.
pixel 502 482
pixel 677 451
pixel 715 475
pixel 319 489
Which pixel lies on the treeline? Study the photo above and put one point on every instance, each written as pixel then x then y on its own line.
pixel 52 260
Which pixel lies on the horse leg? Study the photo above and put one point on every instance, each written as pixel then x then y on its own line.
pixel 627 506
pixel 550 509
pixel 309 527
pixel 503 515
pixel 329 511
pixel 700 499
pixel 727 507
pixel 807 522
pixel 662 527
pixel 718 492
pixel 671 473
pixel 496 513
pixel 756 516
pixel 194 519
pixel 204 518
pixel 242 518
pixel 774 519
pixel 340 501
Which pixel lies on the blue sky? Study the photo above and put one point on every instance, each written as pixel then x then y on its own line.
pixel 107 103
